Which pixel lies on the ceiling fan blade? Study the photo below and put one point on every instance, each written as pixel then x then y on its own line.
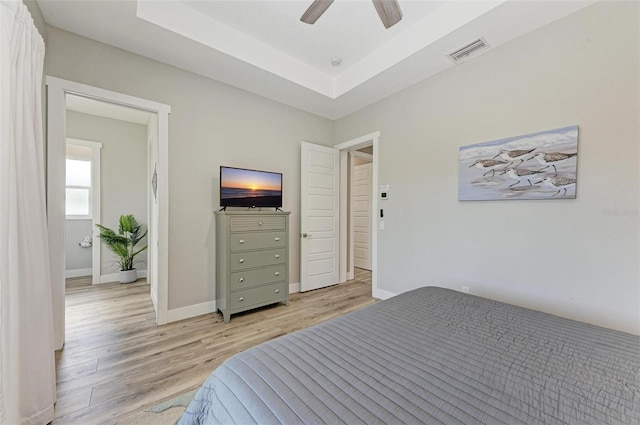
pixel 389 12
pixel 317 8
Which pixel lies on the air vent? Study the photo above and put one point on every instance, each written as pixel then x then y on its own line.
pixel 469 50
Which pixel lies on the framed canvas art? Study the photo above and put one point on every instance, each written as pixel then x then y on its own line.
pixel 541 165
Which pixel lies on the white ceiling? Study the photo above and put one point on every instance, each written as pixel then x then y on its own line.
pixel 262 47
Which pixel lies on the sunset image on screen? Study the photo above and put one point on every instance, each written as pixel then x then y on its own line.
pixel 239 187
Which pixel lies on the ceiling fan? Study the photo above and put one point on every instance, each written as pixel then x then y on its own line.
pixel 388 10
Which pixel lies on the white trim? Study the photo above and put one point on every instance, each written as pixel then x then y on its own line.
pixel 115 277
pixel 78 273
pixel 351 248
pixel 56 138
pixel 294 287
pixel 374 140
pixel 381 294
pixel 191 311
pixel 96 199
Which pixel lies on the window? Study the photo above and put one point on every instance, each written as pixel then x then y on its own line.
pixel 78 183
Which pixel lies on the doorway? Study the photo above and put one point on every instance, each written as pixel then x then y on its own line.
pixel 57 98
pixel 106 147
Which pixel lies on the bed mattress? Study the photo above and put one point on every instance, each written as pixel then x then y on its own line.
pixel 433 356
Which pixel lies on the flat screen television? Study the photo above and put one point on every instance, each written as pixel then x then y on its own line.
pixel 240 187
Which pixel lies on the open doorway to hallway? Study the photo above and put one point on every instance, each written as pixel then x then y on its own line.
pixel 108 156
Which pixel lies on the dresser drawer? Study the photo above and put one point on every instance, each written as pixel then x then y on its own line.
pixel 257 240
pixel 260 295
pixel 253 259
pixel 248 278
pixel 246 223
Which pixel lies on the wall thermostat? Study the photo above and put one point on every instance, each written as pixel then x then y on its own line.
pixel 384 191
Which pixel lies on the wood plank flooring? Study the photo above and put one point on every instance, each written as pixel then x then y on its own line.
pixel 116 361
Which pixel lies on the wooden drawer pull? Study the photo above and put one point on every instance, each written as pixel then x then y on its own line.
pixel 241 240
pixel 241 260
pixel 241 280
pixel 276 274
pixel 277 291
pixel 241 299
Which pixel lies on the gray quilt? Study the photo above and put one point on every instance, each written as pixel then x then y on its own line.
pixel 432 356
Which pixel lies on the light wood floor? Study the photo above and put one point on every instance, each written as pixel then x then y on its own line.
pixel 116 361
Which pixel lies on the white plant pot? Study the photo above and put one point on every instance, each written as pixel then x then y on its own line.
pixel 128 276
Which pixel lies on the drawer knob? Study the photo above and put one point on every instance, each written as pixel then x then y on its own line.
pixel 277 291
pixel 276 274
pixel 241 260
pixel 259 223
pixel 241 299
pixel 276 239
pixel 277 255
pixel 241 280
pixel 241 240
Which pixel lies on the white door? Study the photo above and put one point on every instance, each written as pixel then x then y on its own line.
pixel 319 225
pixel 362 177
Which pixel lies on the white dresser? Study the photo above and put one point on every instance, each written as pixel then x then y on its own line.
pixel 252 260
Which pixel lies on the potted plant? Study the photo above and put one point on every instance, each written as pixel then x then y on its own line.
pixel 123 245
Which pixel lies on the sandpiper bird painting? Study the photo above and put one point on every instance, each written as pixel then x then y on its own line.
pixel 509 172
pixel 514 155
pixel 559 182
pixel 521 174
pixel 489 164
pixel 551 159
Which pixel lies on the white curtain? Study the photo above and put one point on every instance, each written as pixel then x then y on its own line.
pixel 27 364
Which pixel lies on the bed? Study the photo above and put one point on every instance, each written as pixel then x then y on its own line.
pixel 435 356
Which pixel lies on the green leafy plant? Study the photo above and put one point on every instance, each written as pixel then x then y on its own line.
pixel 124 242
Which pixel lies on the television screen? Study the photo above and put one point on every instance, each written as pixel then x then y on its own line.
pixel 250 188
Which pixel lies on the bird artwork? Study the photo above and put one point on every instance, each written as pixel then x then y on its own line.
pixel 520 174
pixel 552 158
pixel 558 182
pixel 514 155
pixel 489 164
pixel 511 171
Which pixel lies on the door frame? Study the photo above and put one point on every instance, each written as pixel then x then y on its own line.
pixel 57 89
pixel 353 144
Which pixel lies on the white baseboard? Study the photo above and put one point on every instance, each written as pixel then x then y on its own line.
pixel 294 287
pixel 78 272
pixel 381 294
pixel 191 311
pixel 113 277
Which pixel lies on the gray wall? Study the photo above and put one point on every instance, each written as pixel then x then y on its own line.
pixel 211 124
pixel 123 172
pixel 77 257
pixel 576 258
